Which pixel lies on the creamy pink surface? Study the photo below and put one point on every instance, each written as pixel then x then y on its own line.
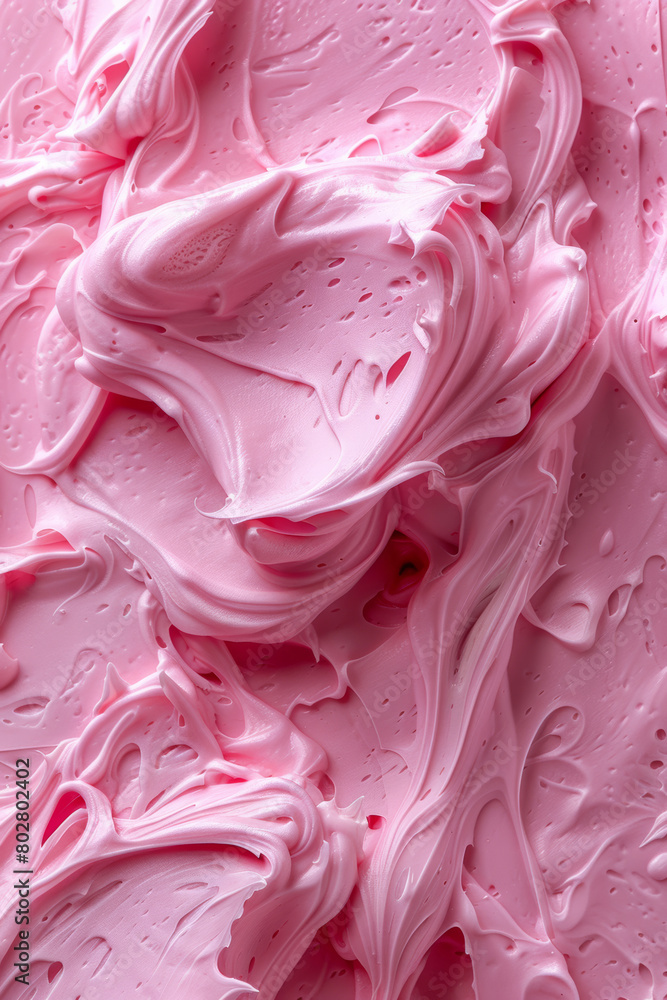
pixel 333 548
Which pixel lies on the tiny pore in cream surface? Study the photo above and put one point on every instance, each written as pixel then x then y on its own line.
pixel 333 582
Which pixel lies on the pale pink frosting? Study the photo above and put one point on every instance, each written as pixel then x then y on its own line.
pixel 333 577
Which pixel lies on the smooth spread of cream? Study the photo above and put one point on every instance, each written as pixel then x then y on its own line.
pixel 333 580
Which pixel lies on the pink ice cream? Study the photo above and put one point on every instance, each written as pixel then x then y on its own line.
pixel 333 576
